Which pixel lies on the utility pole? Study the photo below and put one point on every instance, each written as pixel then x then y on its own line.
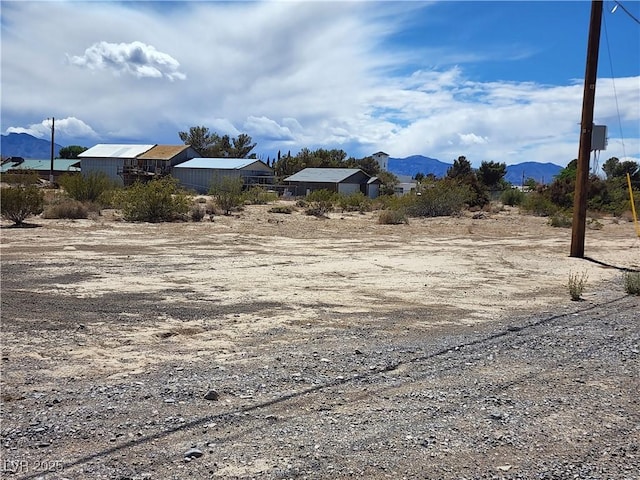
pixel 53 130
pixel 586 129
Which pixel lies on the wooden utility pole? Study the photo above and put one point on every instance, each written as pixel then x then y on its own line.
pixel 586 130
pixel 53 131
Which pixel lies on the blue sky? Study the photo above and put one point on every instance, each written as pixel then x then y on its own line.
pixel 495 81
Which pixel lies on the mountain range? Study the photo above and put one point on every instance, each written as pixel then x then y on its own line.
pixel 516 174
pixel 26 146
pixel 29 147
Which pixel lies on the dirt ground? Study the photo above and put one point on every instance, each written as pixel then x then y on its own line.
pixel 325 348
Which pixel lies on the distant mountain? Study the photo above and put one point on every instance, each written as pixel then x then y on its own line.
pixel 26 146
pixel 540 172
pixel 418 164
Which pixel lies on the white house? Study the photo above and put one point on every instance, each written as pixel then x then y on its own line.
pixel 383 160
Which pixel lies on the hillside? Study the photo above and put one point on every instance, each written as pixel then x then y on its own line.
pixel 540 172
pixel 26 146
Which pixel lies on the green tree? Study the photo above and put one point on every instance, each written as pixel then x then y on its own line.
pixel 72 151
pixel 19 202
pixel 462 173
pixel 460 169
pixel 569 172
pixel 389 182
pixel 211 145
pixel 614 168
pixel 491 173
pixel 199 138
pixel 242 146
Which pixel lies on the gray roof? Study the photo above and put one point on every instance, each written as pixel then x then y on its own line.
pixel 323 175
pixel 218 163
pixel 111 150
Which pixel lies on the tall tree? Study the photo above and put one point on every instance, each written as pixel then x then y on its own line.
pixel 490 173
pixel 199 138
pixel 242 146
pixel 212 145
pixel 461 168
pixel 614 168
pixel 72 151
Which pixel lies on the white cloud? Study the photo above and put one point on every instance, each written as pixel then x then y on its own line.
pixel 291 75
pixel 135 58
pixel 69 127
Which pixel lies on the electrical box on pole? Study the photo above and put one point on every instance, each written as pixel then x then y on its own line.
pixel 599 138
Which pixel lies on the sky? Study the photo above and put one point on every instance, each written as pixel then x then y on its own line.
pixel 494 81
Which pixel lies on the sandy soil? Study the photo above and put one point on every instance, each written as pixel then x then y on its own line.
pixel 100 302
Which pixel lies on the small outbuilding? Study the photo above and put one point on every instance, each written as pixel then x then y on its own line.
pixel 200 173
pixel 346 181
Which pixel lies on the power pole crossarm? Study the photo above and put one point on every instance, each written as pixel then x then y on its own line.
pixel 586 129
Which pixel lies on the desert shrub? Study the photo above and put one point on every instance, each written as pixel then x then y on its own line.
pixel 577 283
pixel 594 224
pixel 318 209
pixel 21 177
pixel 512 197
pixel 19 202
pixel 322 195
pixel 86 188
pixel 536 203
pixel 155 201
pixel 281 209
pixel 392 217
pixel 356 202
pixel 632 283
pixel 196 213
pixel 227 193
pixel 66 208
pixel 441 198
pixel 561 220
pixel 258 195
pixel 320 202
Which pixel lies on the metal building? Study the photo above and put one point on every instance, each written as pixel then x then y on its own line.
pixel 200 173
pixel 110 159
pixel 341 180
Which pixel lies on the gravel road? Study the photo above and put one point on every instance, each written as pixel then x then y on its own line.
pixel 549 396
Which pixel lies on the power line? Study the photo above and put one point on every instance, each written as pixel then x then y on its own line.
pixel 613 83
pixel 619 4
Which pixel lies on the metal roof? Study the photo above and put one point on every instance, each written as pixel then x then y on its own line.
pixel 111 150
pixel 163 152
pixel 323 175
pixel 59 164
pixel 218 163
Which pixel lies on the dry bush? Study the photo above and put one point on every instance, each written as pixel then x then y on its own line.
pixel 392 217
pixel 66 208
pixel 577 283
pixel 282 209
pixel 632 283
